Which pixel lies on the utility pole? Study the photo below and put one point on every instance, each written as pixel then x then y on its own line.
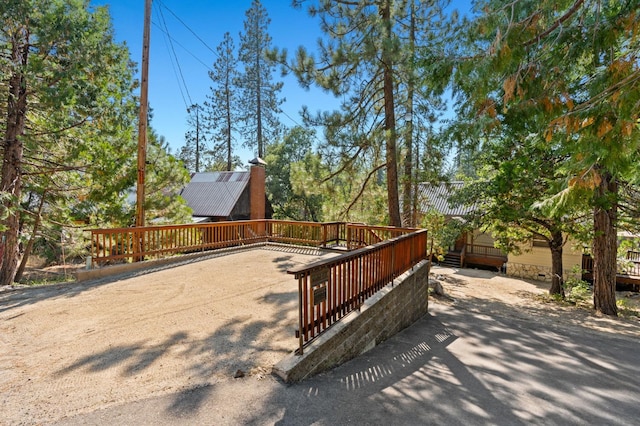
pixel 142 119
pixel 138 243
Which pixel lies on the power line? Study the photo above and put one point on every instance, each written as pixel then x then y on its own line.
pixel 182 46
pixel 173 55
pixel 188 28
pixel 176 58
pixel 175 73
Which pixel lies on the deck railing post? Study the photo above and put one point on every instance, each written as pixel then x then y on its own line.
pixel 300 277
pixel 324 235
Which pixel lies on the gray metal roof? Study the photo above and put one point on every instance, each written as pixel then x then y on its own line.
pixel 436 196
pixel 214 194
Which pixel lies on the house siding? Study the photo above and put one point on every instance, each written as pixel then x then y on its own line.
pixel 480 238
pixel 535 263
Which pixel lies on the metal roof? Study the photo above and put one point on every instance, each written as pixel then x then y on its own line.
pixel 214 194
pixel 436 196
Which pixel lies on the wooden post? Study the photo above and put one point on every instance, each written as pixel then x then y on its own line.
pixel 142 128
pixel 142 118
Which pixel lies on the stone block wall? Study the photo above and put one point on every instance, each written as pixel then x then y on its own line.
pixel 390 310
pixel 533 272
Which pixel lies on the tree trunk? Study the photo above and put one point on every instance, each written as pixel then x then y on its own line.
pixel 605 244
pixel 408 181
pixel 259 107
pixel 197 107
pixel 390 126
pixel 555 245
pixel 11 182
pixel 228 129
pixel 32 239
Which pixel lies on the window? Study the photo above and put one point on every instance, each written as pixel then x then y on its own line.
pixel 539 242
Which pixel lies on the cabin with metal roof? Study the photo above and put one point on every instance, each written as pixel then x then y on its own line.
pixel 436 196
pixel 471 248
pixel 476 248
pixel 235 195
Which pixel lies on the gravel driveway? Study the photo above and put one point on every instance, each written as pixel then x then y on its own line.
pixel 68 349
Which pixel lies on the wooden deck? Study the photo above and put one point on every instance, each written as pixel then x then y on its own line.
pixel 628 277
pixel 475 255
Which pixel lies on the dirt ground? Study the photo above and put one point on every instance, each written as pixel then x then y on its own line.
pixel 75 348
pixel 72 348
pixel 496 294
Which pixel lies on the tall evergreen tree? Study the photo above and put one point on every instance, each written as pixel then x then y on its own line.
pixel 194 153
pixel 368 61
pixel 67 90
pixel 259 100
pixel 574 64
pixel 221 107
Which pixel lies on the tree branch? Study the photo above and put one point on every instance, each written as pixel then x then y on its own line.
pixel 556 24
pixel 363 186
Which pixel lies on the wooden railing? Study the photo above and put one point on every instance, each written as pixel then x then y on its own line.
pixel 633 256
pixel 306 233
pixel 360 235
pixel 153 242
pixel 330 289
pixel 630 267
pixel 488 251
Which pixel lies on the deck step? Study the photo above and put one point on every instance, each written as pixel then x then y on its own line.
pixel 451 260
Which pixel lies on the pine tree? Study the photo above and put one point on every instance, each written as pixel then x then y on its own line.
pixel 368 61
pixel 194 153
pixel 259 101
pixel 63 74
pixel 221 107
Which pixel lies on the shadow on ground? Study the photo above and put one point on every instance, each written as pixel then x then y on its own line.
pixel 460 367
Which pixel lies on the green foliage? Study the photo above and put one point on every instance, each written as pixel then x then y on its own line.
pixel 74 161
pixel 561 78
pixel 165 178
pixel 578 291
pixel 442 233
pixel 221 107
pixel 628 309
pixel 293 173
pixel 65 76
pixel 259 100
pixel 369 59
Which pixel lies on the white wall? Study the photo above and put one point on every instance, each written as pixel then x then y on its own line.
pixel 535 262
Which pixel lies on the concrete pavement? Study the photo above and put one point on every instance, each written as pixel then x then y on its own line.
pixel 452 367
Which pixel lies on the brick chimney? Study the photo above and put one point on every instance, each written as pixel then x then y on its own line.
pixel 257 191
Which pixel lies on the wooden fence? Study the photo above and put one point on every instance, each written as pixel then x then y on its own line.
pixel 330 289
pixel 153 242
pixel 629 266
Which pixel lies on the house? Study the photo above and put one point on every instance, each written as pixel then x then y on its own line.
pixel 476 248
pixel 471 248
pixel 235 195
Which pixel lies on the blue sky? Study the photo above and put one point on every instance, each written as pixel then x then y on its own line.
pixel 209 19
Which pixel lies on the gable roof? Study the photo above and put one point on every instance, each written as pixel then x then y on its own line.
pixel 436 196
pixel 215 194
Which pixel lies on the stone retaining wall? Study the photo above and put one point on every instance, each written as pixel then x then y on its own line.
pixel 390 310
pixel 534 272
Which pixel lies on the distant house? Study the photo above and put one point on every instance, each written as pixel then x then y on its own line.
pixel 471 248
pixel 236 195
pixel 476 248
